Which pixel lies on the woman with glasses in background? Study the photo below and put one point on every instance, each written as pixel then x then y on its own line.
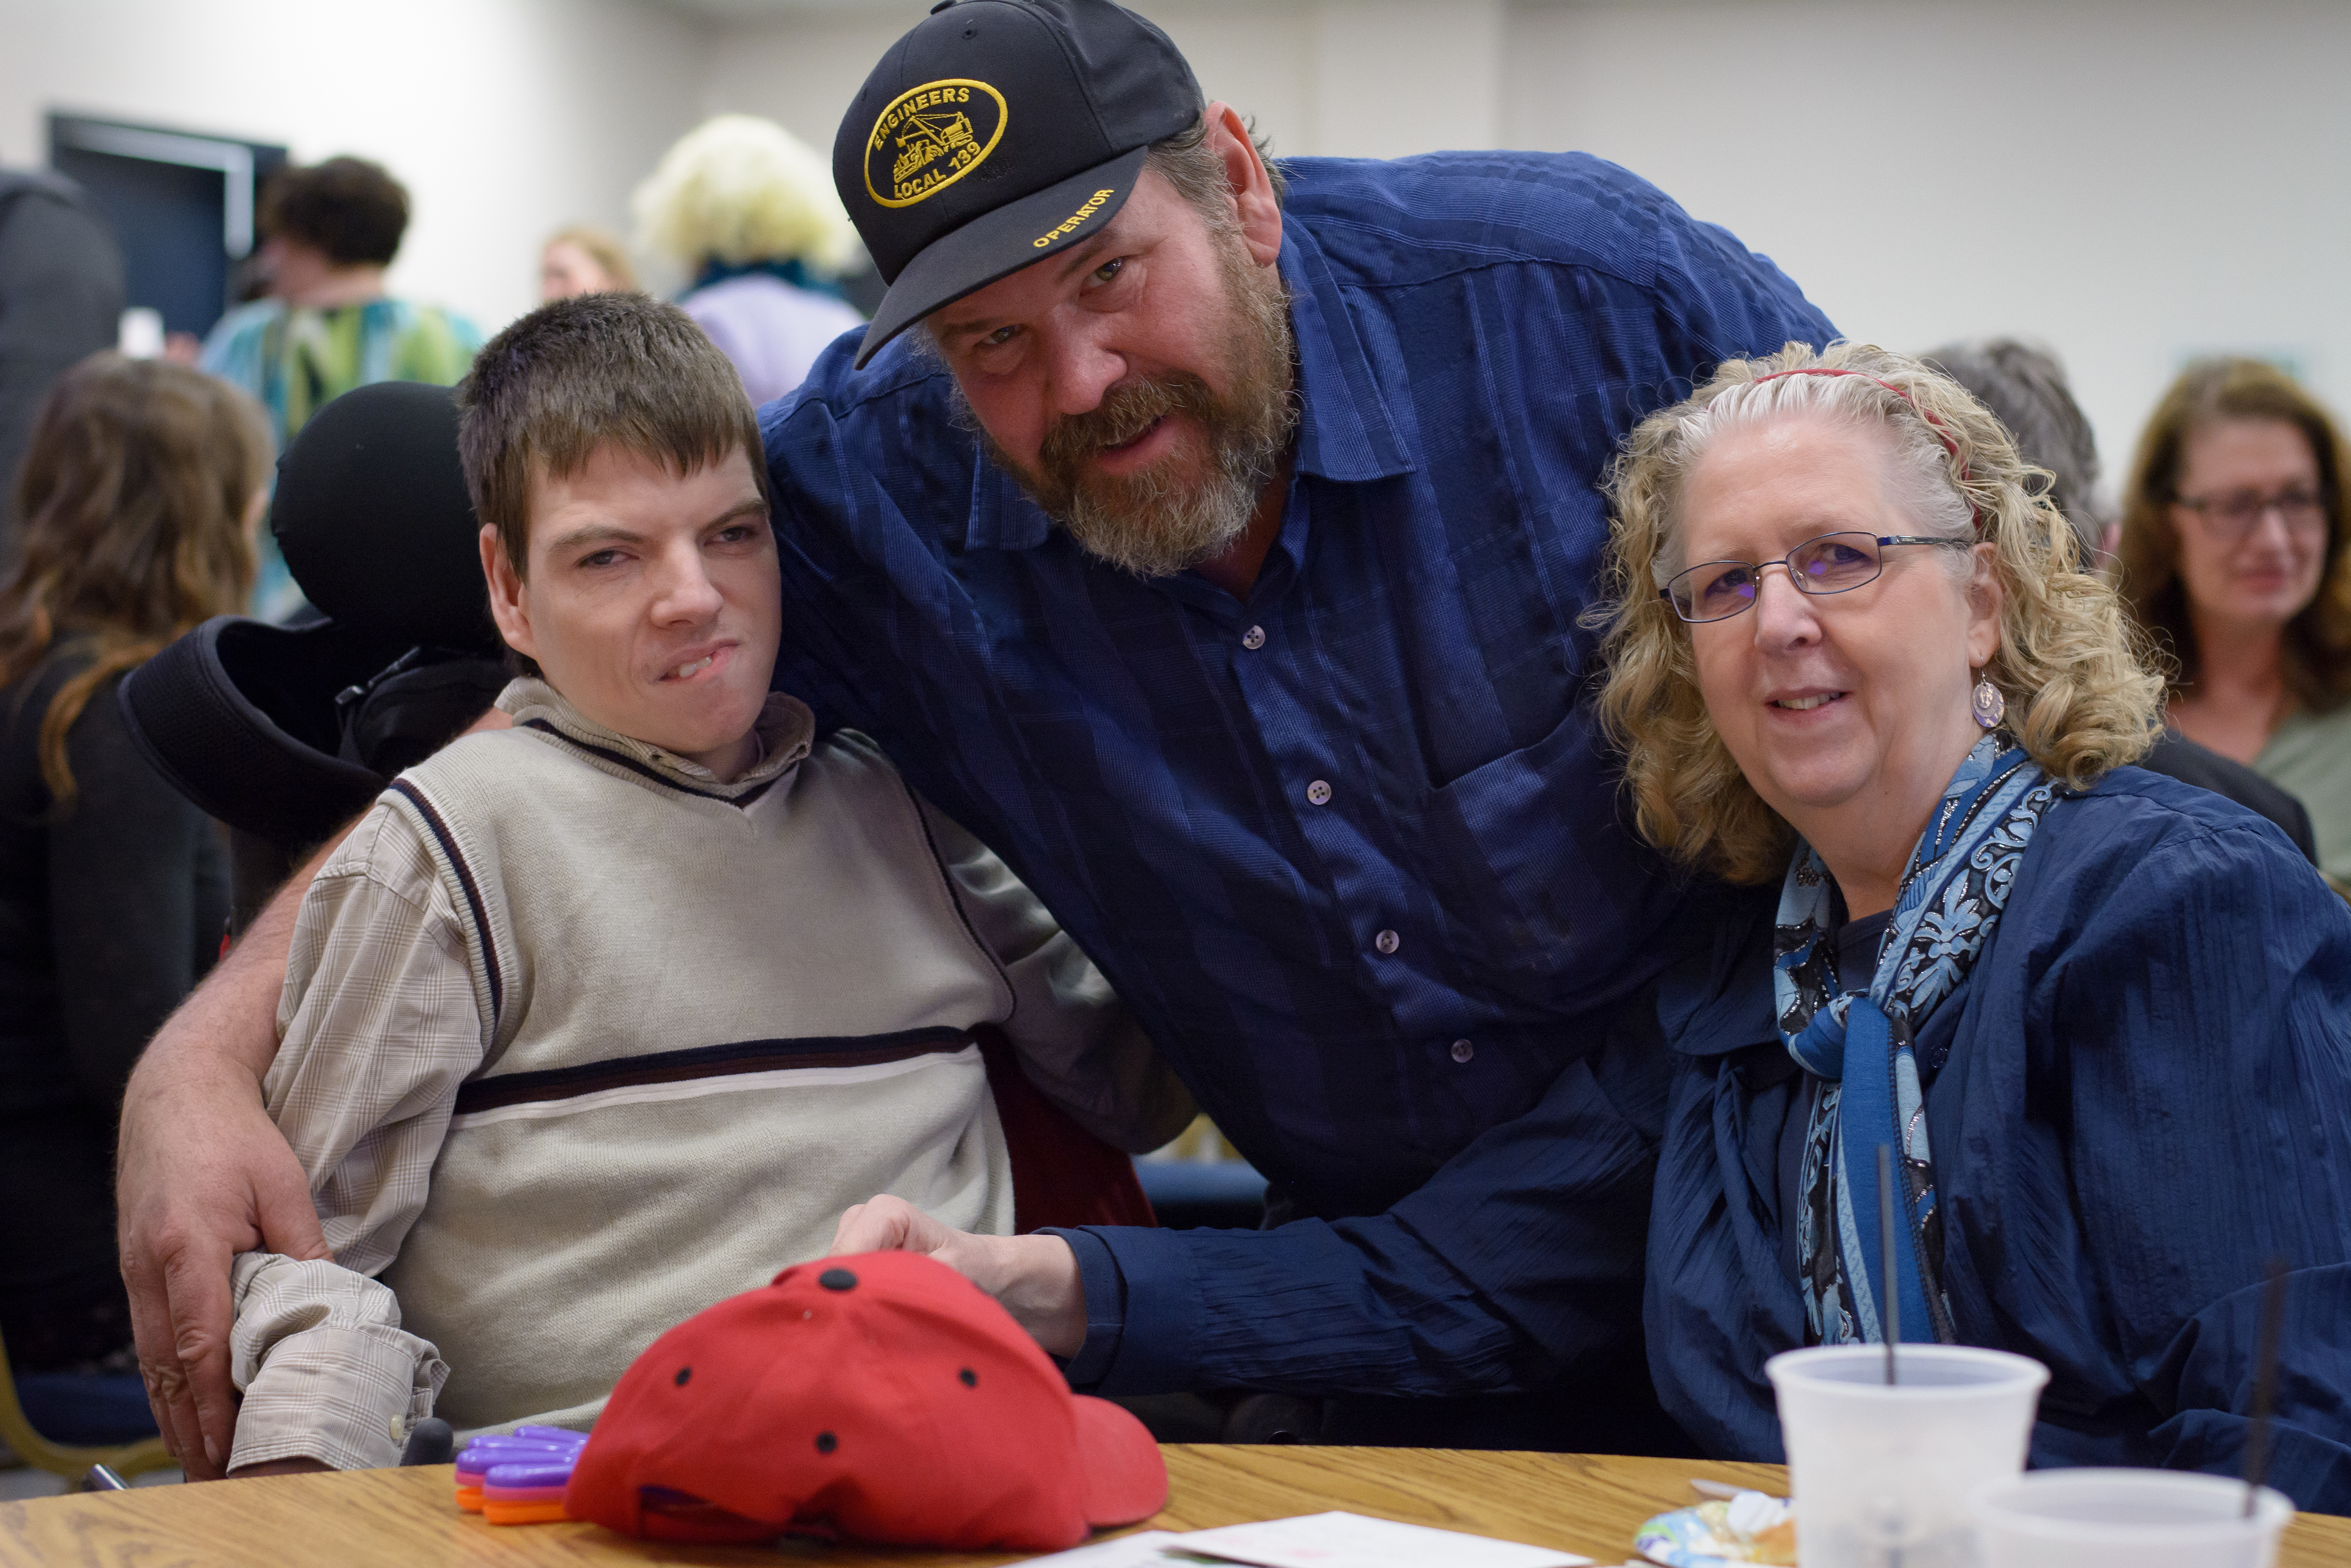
pixel 2232 556
pixel 2100 1021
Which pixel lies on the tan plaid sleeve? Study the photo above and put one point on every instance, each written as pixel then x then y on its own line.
pixel 326 1370
pixel 379 1026
pixel 1076 1041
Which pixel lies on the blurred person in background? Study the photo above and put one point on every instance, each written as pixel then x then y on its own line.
pixel 2026 390
pixel 2232 555
pixel 139 500
pixel 583 259
pixel 749 210
pixel 328 231
pixel 60 299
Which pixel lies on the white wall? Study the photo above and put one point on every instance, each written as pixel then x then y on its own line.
pixel 505 118
pixel 2131 182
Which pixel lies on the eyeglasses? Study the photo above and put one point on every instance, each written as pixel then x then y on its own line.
pixel 1832 563
pixel 2229 519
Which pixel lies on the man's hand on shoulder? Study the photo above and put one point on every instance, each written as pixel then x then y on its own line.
pixel 1035 1276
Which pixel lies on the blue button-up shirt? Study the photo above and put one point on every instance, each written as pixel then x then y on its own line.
pixel 1350 848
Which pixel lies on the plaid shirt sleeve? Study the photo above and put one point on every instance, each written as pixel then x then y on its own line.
pixel 1076 1041
pixel 379 1026
pixel 326 1371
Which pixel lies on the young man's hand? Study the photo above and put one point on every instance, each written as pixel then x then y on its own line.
pixel 1035 1276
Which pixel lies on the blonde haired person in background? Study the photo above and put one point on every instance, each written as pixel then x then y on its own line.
pixel 749 211
pixel 2098 1017
pixel 583 259
pixel 2234 523
pixel 140 488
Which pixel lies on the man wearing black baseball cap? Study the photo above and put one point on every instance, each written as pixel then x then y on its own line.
pixel 1211 538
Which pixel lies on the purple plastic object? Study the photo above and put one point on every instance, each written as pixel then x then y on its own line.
pixel 516 1477
pixel 484 1453
pixel 564 1435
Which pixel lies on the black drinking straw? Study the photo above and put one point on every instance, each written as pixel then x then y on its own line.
pixel 1890 1310
pixel 2257 1436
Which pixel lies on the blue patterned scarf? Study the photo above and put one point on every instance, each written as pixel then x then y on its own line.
pixel 1858 1041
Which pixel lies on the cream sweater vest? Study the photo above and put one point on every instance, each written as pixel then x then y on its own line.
pixel 713 1016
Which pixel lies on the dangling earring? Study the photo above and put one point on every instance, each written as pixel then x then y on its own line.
pixel 1990 706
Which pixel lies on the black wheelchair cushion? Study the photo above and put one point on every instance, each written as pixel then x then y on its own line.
pixel 239 716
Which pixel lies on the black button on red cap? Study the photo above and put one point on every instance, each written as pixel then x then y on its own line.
pixel 837 1280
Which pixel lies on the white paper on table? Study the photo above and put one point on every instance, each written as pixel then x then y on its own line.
pixel 1322 1540
pixel 1144 1548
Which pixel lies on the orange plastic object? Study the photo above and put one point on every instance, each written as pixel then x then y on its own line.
pixel 547 1512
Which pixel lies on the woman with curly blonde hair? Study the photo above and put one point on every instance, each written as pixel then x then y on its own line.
pixel 2100 1019
pixel 749 211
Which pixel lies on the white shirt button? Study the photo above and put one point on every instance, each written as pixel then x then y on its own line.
pixel 1463 1050
pixel 1253 639
pixel 1319 792
pixel 1387 941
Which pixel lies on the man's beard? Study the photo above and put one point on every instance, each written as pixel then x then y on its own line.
pixel 1165 518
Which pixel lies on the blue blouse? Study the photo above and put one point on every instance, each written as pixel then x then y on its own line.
pixel 2140 1094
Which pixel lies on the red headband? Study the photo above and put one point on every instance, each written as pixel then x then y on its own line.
pixel 1942 432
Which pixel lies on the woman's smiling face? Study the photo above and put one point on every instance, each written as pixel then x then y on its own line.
pixel 1848 709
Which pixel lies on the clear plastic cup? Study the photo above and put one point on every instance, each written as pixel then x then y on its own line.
pixel 2144 1519
pixel 1882 1474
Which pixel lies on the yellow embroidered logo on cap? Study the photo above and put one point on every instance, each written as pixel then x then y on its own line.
pixel 930 137
pixel 1094 204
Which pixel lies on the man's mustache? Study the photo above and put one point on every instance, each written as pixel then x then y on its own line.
pixel 1125 412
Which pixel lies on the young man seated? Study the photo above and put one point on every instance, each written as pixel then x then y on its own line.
pixel 594 1020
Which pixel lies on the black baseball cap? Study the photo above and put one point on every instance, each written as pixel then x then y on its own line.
pixel 996 132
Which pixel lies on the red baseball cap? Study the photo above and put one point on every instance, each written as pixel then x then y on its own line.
pixel 883 1397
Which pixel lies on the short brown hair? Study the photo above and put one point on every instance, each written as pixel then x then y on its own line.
pixel 2316 652
pixel 134 494
pixel 347 207
pixel 1184 161
pixel 593 371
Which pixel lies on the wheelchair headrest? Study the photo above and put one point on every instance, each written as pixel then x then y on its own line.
pixel 373 517
pixel 290 732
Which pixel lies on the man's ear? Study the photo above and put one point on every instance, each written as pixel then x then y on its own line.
pixel 1252 189
pixel 506 606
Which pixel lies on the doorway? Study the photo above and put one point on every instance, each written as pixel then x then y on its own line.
pixel 182 204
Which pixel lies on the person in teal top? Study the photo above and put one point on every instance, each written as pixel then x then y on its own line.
pixel 2233 530
pixel 328 231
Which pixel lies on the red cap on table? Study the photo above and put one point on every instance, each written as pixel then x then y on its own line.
pixel 885 1397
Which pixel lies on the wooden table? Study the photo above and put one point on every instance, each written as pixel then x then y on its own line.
pixel 1574 1501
